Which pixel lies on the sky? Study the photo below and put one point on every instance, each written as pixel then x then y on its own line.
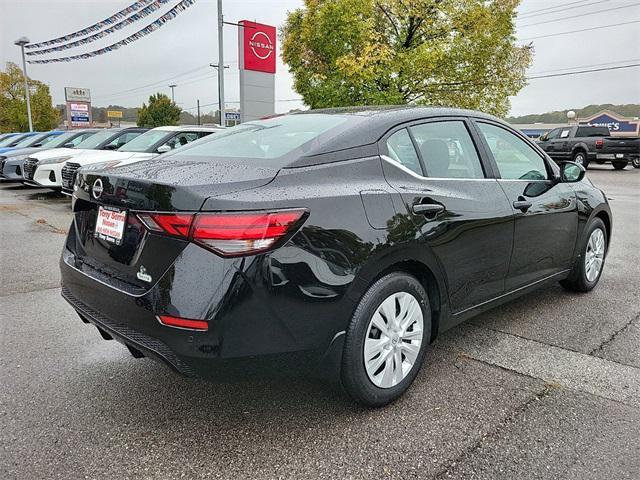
pixel 182 49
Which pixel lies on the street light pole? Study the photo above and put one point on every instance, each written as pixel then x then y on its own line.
pixel 21 42
pixel 221 65
pixel 172 97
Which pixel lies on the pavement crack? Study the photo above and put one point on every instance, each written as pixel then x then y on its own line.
pixel 613 336
pixel 540 395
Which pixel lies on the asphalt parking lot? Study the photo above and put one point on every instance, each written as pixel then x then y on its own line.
pixel 545 387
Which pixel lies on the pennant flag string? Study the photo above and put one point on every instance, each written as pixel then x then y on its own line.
pixel 95 27
pixel 146 11
pixel 152 27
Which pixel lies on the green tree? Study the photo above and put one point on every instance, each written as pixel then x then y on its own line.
pixel 13 105
pixel 433 52
pixel 160 112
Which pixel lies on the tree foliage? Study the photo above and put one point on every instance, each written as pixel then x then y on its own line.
pixel 433 52
pixel 13 104
pixel 161 111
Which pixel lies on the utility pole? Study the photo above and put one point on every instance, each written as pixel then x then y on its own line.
pixel 21 42
pixel 198 111
pixel 220 64
pixel 172 97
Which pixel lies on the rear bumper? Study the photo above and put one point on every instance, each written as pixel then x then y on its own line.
pixel 247 316
pixel 620 157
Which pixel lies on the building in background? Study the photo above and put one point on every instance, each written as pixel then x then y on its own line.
pixel 619 126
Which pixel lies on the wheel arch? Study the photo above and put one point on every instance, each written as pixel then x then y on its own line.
pixel 606 219
pixel 422 267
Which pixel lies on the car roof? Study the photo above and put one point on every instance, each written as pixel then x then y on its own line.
pixel 367 124
pixel 187 128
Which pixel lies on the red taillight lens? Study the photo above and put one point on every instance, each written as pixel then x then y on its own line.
pixel 229 234
pixel 243 233
pixel 185 323
pixel 599 143
pixel 177 224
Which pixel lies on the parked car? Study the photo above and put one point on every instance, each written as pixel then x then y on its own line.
pixel 49 172
pixel 352 233
pixel 7 144
pixel 12 163
pixel 584 144
pixel 151 144
pixel 4 136
pixel 52 156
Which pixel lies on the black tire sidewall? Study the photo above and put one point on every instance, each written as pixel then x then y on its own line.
pixel 353 374
pixel 595 223
pixel 619 165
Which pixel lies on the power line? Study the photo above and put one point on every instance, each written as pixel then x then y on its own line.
pixel 581 15
pixel 585 71
pixel 551 8
pixel 159 82
pixel 578 31
pixel 587 66
pixel 564 8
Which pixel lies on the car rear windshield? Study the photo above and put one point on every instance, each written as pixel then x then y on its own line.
pixel 145 142
pixel 94 140
pixel 592 132
pixel 265 139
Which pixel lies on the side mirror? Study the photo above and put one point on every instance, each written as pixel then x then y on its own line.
pixel 164 149
pixel 112 147
pixel 571 172
pixel 37 145
pixel 68 145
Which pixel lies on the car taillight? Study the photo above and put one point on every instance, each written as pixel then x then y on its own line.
pixel 599 143
pixel 228 234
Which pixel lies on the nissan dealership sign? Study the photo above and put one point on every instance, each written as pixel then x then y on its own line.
pixel 258 54
pixel 259 47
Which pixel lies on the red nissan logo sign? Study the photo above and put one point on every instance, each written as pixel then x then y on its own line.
pixel 259 46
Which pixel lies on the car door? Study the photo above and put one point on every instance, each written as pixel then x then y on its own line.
pixel 548 144
pixel 459 209
pixel 545 211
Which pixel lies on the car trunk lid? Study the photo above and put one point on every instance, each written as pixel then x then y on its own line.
pixel 140 257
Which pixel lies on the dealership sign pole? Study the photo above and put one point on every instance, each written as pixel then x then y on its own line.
pixel 257 52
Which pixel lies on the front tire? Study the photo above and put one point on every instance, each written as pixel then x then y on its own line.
pixel 588 268
pixel 580 157
pixel 386 340
pixel 636 162
pixel 619 165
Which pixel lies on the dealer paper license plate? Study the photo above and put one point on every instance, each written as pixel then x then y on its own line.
pixel 110 224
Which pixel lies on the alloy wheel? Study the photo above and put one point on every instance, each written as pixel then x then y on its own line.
pixel 393 340
pixel 579 159
pixel 594 255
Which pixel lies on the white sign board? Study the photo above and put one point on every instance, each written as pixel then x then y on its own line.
pixel 74 94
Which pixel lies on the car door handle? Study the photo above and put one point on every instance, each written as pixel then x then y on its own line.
pixel 428 209
pixel 523 205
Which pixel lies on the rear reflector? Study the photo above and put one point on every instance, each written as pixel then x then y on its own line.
pixel 185 323
pixel 599 143
pixel 228 234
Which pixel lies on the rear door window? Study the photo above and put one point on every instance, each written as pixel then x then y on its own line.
pixel 447 150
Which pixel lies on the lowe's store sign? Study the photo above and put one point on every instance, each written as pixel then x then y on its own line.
pixel 615 123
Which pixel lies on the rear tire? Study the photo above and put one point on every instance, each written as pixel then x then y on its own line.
pixel 636 162
pixel 580 157
pixel 379 364
pixel 588 267
pixel 619 165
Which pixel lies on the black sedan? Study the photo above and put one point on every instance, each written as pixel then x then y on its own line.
pixel 356 234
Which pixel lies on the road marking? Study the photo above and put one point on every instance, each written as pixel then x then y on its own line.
pixel 552 364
